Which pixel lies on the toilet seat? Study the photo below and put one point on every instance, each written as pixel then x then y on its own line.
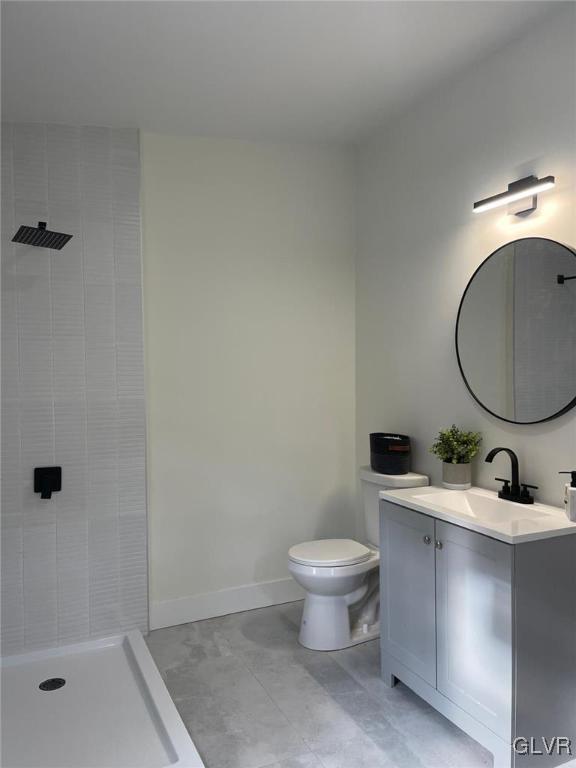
pixel 329 553
pixel 333 573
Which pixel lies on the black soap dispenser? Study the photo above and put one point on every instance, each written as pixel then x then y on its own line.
pixel 570 496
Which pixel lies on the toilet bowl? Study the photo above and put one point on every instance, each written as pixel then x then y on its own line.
pixel 338 575
pixel 341 576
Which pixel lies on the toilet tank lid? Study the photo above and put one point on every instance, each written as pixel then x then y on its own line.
pixel 329 552
pixel 409 480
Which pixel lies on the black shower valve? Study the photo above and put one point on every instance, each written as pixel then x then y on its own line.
pixel 47 480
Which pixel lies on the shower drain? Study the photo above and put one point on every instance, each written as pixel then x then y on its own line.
pixel 52 684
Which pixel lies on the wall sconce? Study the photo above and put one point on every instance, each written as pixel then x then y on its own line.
pixel 528 187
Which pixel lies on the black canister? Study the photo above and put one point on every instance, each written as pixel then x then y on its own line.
pixel 390 453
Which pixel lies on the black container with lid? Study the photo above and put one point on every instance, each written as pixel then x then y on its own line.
pixel 390 453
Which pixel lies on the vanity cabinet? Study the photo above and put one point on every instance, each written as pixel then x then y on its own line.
pixel 474 624
pixel 410 622
pixel 483 630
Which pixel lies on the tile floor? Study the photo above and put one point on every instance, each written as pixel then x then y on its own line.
pixel 252 697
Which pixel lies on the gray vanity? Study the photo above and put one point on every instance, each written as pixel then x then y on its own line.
pixel 478 616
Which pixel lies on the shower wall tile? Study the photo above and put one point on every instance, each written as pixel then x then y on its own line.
pixel 40 584
pixel 104 584
pixel 131 433
pixel 100 371
pixel 35 367
pixel 10 447
pixel 128 313
pixel 36 433
pixel 67 265
pixel 67 305
pixel 12 593
pixel 129 380
pixel 35 304
pixel 6 233
pixel 9 338
pixel 73 567
pixel 98 250
pixel 127 247
pixel 132 536
pixel 72 576
pixel 69 366
pixel 96 181
pixel 99 315
pixel 63 168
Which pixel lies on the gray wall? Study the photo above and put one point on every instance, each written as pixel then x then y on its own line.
pixel 419 243
pixel 72 388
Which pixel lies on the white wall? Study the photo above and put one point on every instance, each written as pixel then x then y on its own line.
pixel 512 114
pixel 249 324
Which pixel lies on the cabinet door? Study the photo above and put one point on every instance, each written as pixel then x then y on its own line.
pixel 474 624
pixel 407 589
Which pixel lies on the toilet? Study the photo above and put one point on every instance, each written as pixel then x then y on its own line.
pixel 341 576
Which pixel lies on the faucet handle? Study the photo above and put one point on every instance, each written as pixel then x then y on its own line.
pixel 525 493
pixel 506 489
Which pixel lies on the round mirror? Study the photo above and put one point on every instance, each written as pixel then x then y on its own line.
pixel 516 331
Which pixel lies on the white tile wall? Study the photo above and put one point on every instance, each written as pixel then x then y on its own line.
pixel 72 388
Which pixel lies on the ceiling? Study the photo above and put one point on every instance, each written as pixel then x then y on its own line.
pixel 293 71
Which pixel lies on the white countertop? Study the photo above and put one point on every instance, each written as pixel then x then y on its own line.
pixel 480 510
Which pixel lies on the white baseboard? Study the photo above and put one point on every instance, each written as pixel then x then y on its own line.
pixel 167 613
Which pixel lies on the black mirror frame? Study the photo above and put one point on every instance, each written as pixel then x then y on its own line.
pixel 563 410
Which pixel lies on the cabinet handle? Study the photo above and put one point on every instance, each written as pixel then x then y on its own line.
pixel 438 544
pixel 427 540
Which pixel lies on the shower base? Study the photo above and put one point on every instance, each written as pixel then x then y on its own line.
pixel 113 710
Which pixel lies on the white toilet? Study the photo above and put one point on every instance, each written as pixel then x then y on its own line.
pixel 341 576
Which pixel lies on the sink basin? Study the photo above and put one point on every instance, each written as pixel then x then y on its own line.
pixel 481 506
pixel 481 510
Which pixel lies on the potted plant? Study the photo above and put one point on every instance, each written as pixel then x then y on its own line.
pixel 456 448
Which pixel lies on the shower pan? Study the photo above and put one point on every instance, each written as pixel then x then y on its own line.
pixel 93 704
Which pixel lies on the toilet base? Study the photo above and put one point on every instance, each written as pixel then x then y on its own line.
pixel 326 625
pixel 363 636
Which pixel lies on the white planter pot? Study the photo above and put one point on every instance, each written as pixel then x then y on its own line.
pixel 457 477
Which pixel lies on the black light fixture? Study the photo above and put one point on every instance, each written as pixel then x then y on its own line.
pixel 528 187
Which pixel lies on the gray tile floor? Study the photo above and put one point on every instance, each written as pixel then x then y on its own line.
pixel 251 697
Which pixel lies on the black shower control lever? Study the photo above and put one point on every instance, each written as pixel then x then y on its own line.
pixel 47 480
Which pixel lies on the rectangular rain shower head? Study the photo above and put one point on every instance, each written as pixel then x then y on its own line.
pixel 41 237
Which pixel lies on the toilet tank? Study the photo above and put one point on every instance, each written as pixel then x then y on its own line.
pixel 372 483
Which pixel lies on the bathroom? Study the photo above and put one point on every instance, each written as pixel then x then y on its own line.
pixel 273 228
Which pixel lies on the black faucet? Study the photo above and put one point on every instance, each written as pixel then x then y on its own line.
pixel 511 489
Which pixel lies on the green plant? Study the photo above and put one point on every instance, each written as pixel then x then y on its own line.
pixel 456 446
